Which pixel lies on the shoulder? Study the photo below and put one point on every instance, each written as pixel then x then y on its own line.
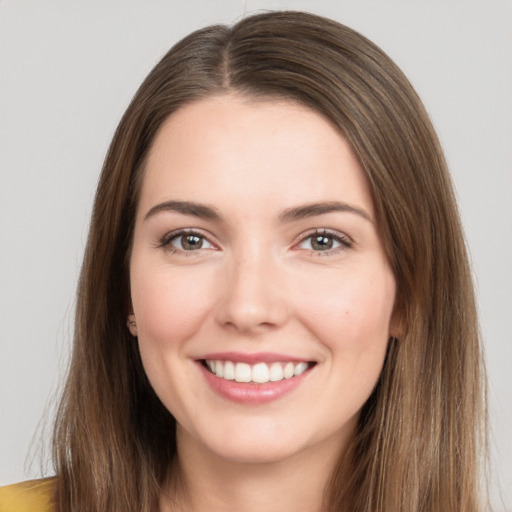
pixel 30 496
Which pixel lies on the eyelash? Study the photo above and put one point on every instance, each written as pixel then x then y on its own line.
pixel 165 241
pixel 344 241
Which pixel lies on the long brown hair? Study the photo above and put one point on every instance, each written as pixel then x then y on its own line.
pixel 420 434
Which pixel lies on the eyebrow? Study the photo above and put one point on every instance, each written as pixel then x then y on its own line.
pixel 186 208
pixel 296 213
pixel 313 209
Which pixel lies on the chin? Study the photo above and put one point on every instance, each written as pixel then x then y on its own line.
pixel 251 452
pixel 244 444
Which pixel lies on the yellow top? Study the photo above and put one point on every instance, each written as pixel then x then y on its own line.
pixel 30 496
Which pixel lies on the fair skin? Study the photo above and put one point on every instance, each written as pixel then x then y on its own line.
pixel 281 269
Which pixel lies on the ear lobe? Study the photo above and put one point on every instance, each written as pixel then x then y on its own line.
pixel 132 324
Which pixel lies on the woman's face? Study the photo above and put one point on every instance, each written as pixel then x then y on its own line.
pixel 261 292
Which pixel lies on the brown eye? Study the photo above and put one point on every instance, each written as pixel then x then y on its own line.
pixel 191 242
pixel 188 242
pixel 322 242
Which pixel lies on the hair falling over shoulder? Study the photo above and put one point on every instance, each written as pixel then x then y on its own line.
pixel 421 435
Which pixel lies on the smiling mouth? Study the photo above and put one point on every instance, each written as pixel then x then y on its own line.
pixel 259 373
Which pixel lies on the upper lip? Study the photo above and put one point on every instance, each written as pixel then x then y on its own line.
pixel 251 358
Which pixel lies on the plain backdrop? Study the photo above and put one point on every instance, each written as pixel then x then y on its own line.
pixel 68 69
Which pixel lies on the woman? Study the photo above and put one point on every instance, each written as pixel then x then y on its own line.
pixel 275 308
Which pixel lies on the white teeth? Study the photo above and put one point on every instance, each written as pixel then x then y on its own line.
pixel 259 373
pixel 242 372
pixel 229 370
pixel 276 372
pixel 299 368
pixel 288 371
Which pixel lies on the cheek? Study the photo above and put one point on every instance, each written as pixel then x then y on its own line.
pixel 351 312
pixel 169 306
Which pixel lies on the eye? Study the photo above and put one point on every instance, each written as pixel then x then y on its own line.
pixel 186 241
pixel 325 241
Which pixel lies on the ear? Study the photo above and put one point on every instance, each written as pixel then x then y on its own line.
pixel 132 324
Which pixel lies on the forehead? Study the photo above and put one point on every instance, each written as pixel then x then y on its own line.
pixel 225 146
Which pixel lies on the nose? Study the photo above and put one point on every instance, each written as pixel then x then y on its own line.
pixel 253 295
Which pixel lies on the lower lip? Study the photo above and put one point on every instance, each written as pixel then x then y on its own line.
pixel 250 393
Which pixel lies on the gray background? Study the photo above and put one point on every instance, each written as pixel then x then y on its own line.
pixel 68 69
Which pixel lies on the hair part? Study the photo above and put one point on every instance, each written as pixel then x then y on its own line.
pixel 421 432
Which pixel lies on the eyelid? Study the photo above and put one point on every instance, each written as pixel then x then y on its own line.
pixel 165 241
pixel 343 239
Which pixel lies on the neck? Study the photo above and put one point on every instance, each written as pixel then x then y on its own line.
pixel 203 481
